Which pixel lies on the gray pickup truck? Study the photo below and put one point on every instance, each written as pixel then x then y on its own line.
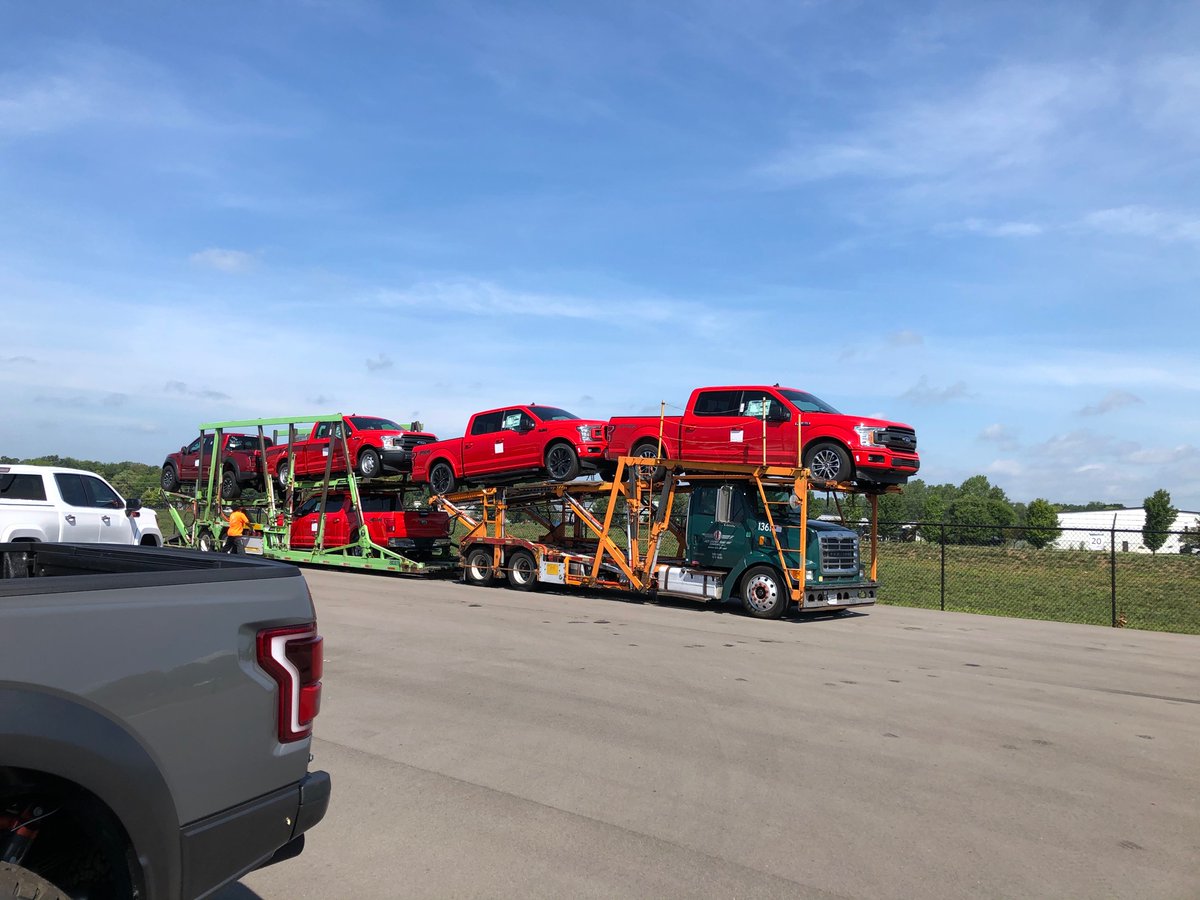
pixel 156 713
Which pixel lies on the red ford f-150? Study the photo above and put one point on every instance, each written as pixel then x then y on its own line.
pixel 241 464
pixel 376 445
pixel 421 533
pixel 735 424
pixel 512 442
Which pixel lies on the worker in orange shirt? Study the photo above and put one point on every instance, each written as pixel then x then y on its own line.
pixel 235 538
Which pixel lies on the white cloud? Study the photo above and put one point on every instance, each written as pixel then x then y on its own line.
pixel 1000 435
pixel 1145 221
pixel 231 261
pixel 380 363
pixel 999 229
pixel 925 394
pixel 1111 401
pixel 905 338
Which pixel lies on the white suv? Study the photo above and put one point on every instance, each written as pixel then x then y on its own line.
pixel 46 503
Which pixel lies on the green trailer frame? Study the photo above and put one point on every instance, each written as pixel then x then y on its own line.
pixel 204 532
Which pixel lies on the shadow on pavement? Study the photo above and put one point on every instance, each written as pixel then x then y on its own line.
pixel 236 891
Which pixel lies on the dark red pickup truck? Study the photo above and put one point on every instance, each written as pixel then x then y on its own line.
pixel 512 442
pixel 376 446
pixel 419 533
pixel 240 466
pixel 738 423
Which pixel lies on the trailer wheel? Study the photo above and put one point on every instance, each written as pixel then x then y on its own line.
pixel 522 570
pixel 763 595
pixel 478 566
pixel 441 477
pixel 207 542
pixel 230 487
pixel 17 881
pixel 369 465
pixel 169 479
pixel 828 462
pixel 649 450
pixel 562 462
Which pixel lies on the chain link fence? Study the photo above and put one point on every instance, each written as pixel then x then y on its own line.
pixel 1087 575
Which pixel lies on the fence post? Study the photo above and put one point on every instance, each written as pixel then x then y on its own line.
pixel 943 590
pixel 1112 555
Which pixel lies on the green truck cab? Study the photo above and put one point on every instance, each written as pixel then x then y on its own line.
pixel 736 550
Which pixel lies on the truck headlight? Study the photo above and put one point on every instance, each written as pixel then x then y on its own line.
pixel 866 435
pixel 585 431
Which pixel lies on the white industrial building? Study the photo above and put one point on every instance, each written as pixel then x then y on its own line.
pixel 1093 530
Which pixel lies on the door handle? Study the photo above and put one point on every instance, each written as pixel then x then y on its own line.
pixel 70 519
pixel 472 444
pixel 106 520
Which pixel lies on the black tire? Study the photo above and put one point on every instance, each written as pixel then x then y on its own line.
pixel 477 568
pixel 369 464
pixel 562 462
pixel 607 471
pixel 762 592
pixel 441 478
pixel 170 479
pixel 828 462
pixel 19 883
pixel 522 571
pixel 649 450
pixel 206 542
pixel 230 486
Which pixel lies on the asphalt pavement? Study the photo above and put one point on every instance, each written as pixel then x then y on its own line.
pixel 489 743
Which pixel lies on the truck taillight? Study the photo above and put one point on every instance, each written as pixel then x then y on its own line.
pixel 292 656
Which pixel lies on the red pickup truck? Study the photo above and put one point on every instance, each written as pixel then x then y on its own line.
pixel 728 424
pixel 376 445
pixel 421 533
pixel 513 442
pixel 240 464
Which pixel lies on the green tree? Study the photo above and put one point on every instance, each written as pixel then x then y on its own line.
pixel 1160 515
pixel 1041 523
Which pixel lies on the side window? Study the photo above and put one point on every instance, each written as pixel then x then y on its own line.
pixel 717 403
pixel 487 423
pixel 194 446
pixel 322 431
pixel 724 512
pixel 22 487
pixel 208 445
pixel 761 405
pixel 100 494
pixel 71 488
pixel 512 420
pixel 310 506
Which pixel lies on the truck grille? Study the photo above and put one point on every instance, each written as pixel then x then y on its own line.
pixel 902 439
pixel 839 554
pixel 409 441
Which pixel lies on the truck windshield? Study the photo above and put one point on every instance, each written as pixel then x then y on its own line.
pixel 806 402
pixel 552 413
pixel 365 423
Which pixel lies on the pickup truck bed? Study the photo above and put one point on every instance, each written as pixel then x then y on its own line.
pixel 136 715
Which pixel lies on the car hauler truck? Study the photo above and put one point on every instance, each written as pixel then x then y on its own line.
pixel 745 535
pixel 344 524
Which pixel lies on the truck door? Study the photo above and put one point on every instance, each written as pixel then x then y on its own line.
pixel 189 461
pixel 715 429
pixel 79 519
pixel 115 526
pixel 326 439
pixel 718 533
pixel 521 444
pixel 484 448
pixel 764 414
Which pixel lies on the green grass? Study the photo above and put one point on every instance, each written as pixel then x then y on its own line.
pixel 1156 593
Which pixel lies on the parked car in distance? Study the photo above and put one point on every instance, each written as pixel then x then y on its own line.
pixel 742 423
pixel 376 446
pixel 50 504
pixel 241 464
pixel 513 442
pixel 420 532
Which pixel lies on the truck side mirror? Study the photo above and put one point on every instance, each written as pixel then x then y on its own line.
pixel 132 505
pixel 778 413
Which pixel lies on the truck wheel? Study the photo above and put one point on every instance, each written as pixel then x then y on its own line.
pixel 649 450
pixel 828 462
pixel 369 465
pixel 763 596
pixel 21 884
pixel 522 570
pixel 281 475
pixel 169 479
pixel 562 462
pixel 230 488
pixel 441 478
pixel 478 567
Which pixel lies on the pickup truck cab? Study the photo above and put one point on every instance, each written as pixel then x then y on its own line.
pixel 510 443
pixel 419 533
pixel 376 446
pixel 51 504
pixel 741 423
pixel 241 464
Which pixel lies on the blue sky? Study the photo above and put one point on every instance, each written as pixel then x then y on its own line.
pixel 980 219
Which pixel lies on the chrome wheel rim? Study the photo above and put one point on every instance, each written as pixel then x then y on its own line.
pixel 762 593
pixel 522 569
pixel 826 465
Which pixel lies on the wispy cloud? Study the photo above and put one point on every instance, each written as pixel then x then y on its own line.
pixel 998 229
pixel 380 363
pixel 180 387
pixel 1002 436
pixel 925 394
pixel 16 360
pixel 905 338
pixel 223 260
pixel 1146 222
pixel 1111 401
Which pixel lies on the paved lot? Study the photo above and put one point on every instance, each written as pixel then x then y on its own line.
pixel 488 743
